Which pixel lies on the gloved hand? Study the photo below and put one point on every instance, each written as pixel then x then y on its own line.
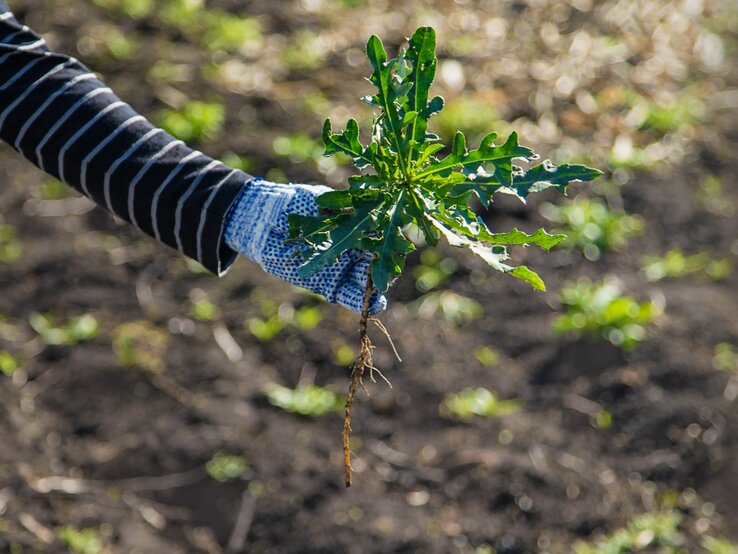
pixel 257 228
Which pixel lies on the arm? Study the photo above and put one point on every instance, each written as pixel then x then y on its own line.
pixel 62 118
pixel 59 116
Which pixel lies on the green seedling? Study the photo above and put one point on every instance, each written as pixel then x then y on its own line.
pixel 195 121
pixel 81 541
pixel 225 32
pixel 644 533
pixel 454 308
pixel 712 545
pixel 677 264
pixel 433 270
pixel 204 310
pixel 480 401
pixel 298 147
pixel 53 189
pixel 591 226
pixel 341 352
pixel 405 178
pixel 231 159
pixel 78 329
pixel 711 197
pixel 274 318
pixel 135 9
pixel 226 467
pixel 10 248
pixel 9 364
pixel 486 356
pixel 306 52
pixel 725 357
pixel 601 310
pixel 141 344
pixel 626 155
pixel 310 400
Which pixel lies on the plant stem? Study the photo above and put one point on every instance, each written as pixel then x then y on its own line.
pixel 362 360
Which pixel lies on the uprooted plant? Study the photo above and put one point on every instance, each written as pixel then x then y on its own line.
pixel 405 181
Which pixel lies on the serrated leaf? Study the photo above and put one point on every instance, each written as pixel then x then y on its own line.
pixel 540 238
pixel 500 158
pixel 346 142
pixel 422 55
pixel 494 256
pixel 546 175
pixel 495 259
pixel 357 182
pixel 341 238
pixel 389 118
pixel 433 107
pixel 391 248
pixel 417 209
pixel 335 200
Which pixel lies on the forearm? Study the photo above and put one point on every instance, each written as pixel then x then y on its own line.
pixel 58 115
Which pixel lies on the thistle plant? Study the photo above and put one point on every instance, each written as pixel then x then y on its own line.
pixel 404 179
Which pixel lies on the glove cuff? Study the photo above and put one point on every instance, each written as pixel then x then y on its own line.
pixel 254 213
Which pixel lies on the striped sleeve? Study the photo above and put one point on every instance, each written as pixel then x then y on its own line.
pixel 60 116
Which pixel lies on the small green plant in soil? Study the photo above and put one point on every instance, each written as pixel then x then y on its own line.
pixel 274 318
pixel 433 270
pixel 226 467
pixel 310 400
pixel 10 248
pixel 454 308
pixel 9 364
pixel 601 310
pixel 711 197
pixel 678 264
pixel 77 329
pixel 81 541
pixel 478 401
pixel 725 357
pixel 591 226
pixel 486 356
pixel 141 344
pixel 196 120
pixel 714 545
pixel 405 179
pixel 643 533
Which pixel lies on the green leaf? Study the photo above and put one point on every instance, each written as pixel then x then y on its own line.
pixel 341 238
pixel 389 119
pixel 346 142
pixel 539 238
pixel 547 175
pixel 335 200
pixel 390 250
pixel 376 53
pixel 417 207
pixel 495 256
pixel 483 181
pixel 422 56
pixel 495 259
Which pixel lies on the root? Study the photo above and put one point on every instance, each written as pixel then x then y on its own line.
pixel 363 360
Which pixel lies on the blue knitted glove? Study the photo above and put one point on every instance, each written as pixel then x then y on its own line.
pixel 257 228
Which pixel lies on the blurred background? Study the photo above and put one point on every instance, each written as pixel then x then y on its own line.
pixel 146 406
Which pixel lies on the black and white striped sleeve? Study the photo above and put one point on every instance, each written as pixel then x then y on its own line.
pixel 58 115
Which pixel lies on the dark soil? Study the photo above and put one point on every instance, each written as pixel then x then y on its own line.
pixel 133 448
